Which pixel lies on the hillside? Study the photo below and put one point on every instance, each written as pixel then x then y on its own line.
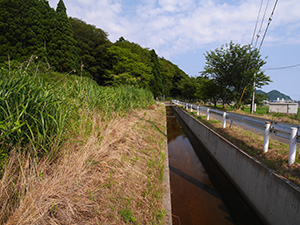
pixel 274 94
pixel 32 31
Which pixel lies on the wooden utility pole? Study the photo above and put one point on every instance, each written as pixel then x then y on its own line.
pixel 253 96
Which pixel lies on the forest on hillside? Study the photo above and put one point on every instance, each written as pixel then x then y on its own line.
pixel 69 45
pixel 30 30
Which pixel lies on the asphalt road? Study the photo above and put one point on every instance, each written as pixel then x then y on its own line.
pixel 244 127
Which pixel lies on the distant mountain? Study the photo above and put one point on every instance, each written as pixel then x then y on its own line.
pixel 260 92
pixel 274 94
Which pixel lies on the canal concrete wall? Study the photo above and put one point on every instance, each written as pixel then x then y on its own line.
pixel 167 195
pixel 275 199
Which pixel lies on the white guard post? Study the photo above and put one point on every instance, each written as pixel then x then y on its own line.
pixel 293 138
pixel 207 114
pixel 224 120
pixel 267 134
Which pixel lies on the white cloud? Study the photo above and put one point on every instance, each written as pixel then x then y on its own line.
pixel 105 14
pixel 197 25
pixel 176 26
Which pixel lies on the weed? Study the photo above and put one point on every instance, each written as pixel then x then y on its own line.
pixel 144 194
pixel 127 215
pixel 126 212
pixel 159 216
pixel 36 112
pixel 134 160
pixel 161 172
pixel 54 207
pixel 150 163
pixel 85 175
pixel 90 194
pixel 30 112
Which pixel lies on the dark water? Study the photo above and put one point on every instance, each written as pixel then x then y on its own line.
pixel 200 196
pixel 194 198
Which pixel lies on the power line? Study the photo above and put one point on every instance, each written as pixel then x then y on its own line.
pixel 262 21
pixel 270 19
pixel 258 15
pixel 250 46
pixel 283 67
pixel 250 50
pixel 258 35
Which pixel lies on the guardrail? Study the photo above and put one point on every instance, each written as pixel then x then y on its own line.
pixel 284 130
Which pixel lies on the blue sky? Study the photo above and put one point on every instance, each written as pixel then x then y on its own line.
pixel 183 30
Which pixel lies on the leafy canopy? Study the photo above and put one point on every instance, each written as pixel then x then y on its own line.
pixel 234 67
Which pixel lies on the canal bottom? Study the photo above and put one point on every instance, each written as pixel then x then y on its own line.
pixel 195 199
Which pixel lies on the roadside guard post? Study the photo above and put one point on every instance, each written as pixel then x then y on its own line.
pixel 293 139
pixel 267 134
pixel 224 120
pixel 207 114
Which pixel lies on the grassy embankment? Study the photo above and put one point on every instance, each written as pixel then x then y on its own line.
pixel 73 152
pixel 251 142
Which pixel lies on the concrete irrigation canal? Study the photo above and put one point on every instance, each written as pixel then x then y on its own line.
pixel 209 187
pixel 195 199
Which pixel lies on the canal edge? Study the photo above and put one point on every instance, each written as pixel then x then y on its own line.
pixel 167 195
pixel 265 179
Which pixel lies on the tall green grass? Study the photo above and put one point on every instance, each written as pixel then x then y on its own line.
pixel 87 93
pixel 30 113
pixel 37 111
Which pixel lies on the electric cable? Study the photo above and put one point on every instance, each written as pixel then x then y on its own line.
pixel 257 19
pixel 282 67
pixel 250 47
pixel 261 24
pixel 270 19
pixel 250 50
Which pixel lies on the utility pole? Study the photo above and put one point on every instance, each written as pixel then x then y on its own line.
pixel 253 96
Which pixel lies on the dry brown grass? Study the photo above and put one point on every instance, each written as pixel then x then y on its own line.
pixel 251 142
pixel 109 175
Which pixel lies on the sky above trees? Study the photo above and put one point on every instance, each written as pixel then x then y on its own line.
pixel 182 31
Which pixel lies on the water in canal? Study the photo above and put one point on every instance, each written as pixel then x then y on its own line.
pixel 195 200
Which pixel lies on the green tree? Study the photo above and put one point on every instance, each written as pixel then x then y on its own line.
pixel 47 15
pixel 21 30
pixel 178 77
pixel 233 68
pixel 92 43
pixel 188 87
pixel 208 90
pixel 123 61
pixel 167 72
pixel 172 76
pixel 9 28
pixel 62 51
pixel 156 83
pixel 141 65
pixel 25 29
